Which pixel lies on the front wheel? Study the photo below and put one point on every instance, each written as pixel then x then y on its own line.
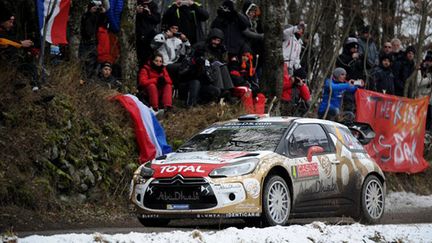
pixel 153 222
pixel 372 200
pixel 276 201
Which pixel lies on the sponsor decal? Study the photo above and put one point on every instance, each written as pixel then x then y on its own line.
pixel 326 165
pixel 252 187
pixel 228 215
pixel 318 187
pixel 177 206
pixel 178 196
pixel 186 170
pixel 305 171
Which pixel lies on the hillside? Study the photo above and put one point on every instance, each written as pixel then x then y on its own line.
pixel 68 151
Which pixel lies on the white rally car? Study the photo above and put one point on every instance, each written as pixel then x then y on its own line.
pixel 265 169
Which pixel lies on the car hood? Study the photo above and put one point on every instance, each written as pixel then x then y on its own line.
pixel 198 164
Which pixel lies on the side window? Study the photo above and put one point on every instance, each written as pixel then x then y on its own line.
pixel 306 136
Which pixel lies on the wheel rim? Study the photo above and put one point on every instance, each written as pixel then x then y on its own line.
pixel 374 199
pixel 278 202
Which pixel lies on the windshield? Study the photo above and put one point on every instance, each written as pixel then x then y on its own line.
pixel 237 136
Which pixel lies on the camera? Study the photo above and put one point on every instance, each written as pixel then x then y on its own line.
pixel 358 82
pixel 177 34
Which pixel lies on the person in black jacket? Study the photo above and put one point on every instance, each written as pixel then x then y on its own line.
pixel 232 24
pixel 90 21
pixel 407 67
pixel 383 80
pixel 189 15
pixel 351 60
pixel 147 18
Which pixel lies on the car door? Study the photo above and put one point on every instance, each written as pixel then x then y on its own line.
pixel 314 182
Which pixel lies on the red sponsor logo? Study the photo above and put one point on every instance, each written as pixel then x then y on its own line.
pixel 186 170
pixel 306 170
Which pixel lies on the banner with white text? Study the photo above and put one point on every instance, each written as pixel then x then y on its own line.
pixel 399 124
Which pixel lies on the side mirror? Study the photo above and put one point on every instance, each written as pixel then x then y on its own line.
pixel 362 131
pixel 312 151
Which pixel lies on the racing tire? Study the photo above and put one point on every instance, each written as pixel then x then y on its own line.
pixel 372 201
pixel 276 201
pixel 153 222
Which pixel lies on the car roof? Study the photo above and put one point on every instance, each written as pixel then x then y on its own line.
pixel 282 119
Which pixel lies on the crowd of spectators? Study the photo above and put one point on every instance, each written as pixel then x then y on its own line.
pixel 177 59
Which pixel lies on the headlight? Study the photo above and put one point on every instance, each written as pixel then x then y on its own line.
pixel 146 171
pixel 236 169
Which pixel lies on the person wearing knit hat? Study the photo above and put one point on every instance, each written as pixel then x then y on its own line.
pixel 407 67
pixel 334 89
pixel 383 79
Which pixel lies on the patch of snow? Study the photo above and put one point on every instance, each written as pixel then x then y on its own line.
pixel 402 200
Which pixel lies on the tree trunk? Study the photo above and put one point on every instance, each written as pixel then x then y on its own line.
pixel 128 58
pixel 388 19
pixel 273 15
pixel 76 11
pixel 410 89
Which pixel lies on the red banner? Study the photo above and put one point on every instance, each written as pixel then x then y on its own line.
pixel 399 124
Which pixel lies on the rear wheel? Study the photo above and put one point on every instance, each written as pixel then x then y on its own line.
pixel 276 201
pixel 372 200
pixel 153 222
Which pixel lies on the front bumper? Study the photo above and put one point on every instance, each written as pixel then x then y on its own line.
pixel 180 197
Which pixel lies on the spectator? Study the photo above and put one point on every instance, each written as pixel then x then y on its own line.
pixel 232 24
pixel 368 48
pixel 350 60
pixel 105 77
pixel 243 72
pixel 190 16
pixel 425 86
pixel 407 67
pixel 383 80
pixel 386 49
pixel 147 18
pixel 203 85
pixel 10 48
pixel 215 55
pixel 292 46
pixel 173 46
pixel 295 94
pixel 90 22
pixel 397 57
pixel 334 88
pixel 156 84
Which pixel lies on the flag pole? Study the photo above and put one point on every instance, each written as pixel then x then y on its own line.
pixel 42 55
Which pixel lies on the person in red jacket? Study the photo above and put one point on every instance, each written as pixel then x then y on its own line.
pixel 294 91
pixel 156 83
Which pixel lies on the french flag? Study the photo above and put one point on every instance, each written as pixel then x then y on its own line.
pixel 149 133
pixel 57 12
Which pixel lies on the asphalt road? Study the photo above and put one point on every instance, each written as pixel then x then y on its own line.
pixel 401 216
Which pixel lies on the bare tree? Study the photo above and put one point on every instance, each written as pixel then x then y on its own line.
pixel 273 15
pixel 128 58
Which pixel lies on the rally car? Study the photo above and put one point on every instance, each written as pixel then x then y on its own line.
pixel 264 169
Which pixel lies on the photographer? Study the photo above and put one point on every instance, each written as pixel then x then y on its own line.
pixel 147 18
pixel 295 93
pixel 91 20
pixel 173 46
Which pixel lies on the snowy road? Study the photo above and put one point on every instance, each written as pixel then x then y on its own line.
pixel 414 211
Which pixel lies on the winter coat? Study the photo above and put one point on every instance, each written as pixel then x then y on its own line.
pixel 406 69
pixel 338 90
pixel 232 26
pixel 90 23
pixel 145 24
pixel 291 47
pixel 353 67
pixel 382 79
pixel 148 75
pixel 372 51
pixel 170 48
pixel 204 49
pixel 425 83
pixel 189 19
pixel 292 92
